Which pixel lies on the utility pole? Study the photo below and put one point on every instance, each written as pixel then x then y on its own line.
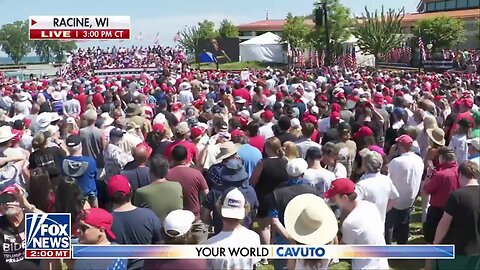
pixel 327 34
pixel 266 14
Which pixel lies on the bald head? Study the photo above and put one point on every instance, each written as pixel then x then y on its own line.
pixel 141 153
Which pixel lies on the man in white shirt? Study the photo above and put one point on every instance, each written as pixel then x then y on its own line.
pixel 374 186
pixel 459 141
pixel 406 173
pixel 266 130
pixel 185 96
pixel 233 233
pixel 363 224
pixel 316 175
pixel 305 143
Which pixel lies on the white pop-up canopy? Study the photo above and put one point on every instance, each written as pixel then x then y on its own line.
pixel 264 48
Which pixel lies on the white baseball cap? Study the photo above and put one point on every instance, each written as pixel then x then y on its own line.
pixel 178 222
pixel 296 167
pixel 234 205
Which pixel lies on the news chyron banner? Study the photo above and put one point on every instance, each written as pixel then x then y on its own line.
pixel 79 27
pixel 49 236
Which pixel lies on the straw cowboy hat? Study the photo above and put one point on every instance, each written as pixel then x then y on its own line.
pixel 227 149
pixel 437 135
pixel 133 110
pixel 6 134
pixel 310 221
pixel 107 120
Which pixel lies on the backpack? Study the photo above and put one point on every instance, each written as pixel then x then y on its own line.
pixel 75 169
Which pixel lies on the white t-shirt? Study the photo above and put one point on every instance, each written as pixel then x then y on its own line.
pixel 406 173
pixel 319 178
pixel 185 97
pixel 266 130
pixel 240 237
pixel 364 226
pixel 460 147
pixel 340 171
pixel 377 189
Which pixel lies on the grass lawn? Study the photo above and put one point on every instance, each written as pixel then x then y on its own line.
pixel 416 237
pixel 236 65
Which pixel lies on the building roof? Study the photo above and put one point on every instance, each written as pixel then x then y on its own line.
pixel 408 20
pixel 267 25
pixel 465 14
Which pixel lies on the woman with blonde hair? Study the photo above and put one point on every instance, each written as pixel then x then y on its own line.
pixel 291 150
pixel 429 122
pixel 295 128
pixel 269 173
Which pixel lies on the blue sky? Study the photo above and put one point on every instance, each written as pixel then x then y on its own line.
pixel 168 17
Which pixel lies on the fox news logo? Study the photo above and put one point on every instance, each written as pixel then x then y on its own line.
pixel 47 236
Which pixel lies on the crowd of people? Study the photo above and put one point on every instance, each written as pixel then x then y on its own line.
pixel 320 157
pixel 83 62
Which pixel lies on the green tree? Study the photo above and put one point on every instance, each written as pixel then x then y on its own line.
pixel 442 32
pixel 379 33
pixel 46 49
pixel 14 40
pixel 295 31
pixel 227 29
pixel 206 30
pixel 189 37
pixel 340 22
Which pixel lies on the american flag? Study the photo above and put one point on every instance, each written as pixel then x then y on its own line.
pixel 407 54
pixel 322 58
pixel 310 58
pixel 176 38
pixel 140 37
pixel 302 58
pixel 317 63
pixel 421 47
pixel 354 59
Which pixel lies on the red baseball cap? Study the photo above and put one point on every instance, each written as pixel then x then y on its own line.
pixel 378 98
pixel 196 132
pixel 336 107
pixel 340 186
pixel 340 95
pixel 363 132
pixel 97 217
pixel 158 128
pixel 335 116
pixel 404 139
pixel 118 183
pixel 237 133
pixel 267 115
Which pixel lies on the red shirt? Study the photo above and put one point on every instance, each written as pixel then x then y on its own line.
pixel 97 100
pixel 257 142
pixel 82 98
pixel 244 93
pixel 193 183
pixel 315 136
pixel 192 152
pixel 444 181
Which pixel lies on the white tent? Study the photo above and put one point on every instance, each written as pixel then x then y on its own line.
pixel 264 48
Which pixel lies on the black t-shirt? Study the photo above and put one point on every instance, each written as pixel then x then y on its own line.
pixel 464 206
pixel 13 243
pixel 171 118
pixel 3 263
pixel 50 157
pixel 281 196
pixel 140 226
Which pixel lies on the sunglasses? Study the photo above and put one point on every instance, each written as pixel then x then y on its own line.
pixel 83 228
